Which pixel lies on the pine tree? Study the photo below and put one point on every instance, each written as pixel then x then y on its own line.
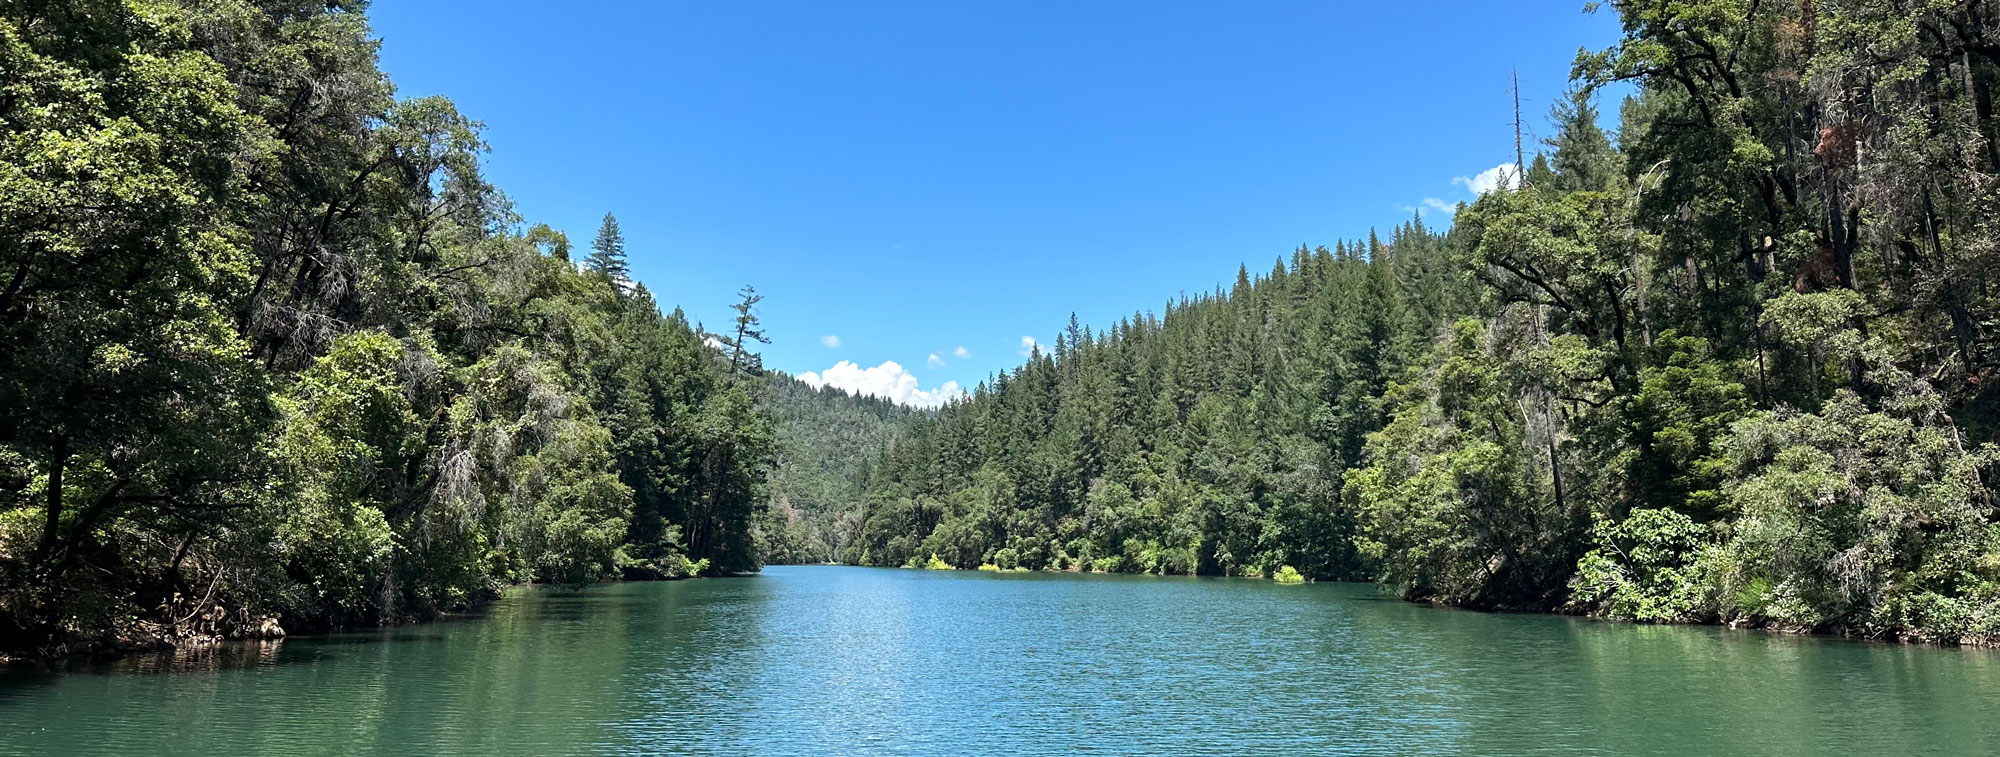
pixel 741 359
pixel 1584 160
pixel 1540 175
pixel 607 252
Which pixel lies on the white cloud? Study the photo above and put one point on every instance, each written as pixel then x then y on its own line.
pixel 961 353
pixel 935 361
pixel 712 342
pixel 1029 346
pixel 889 381
pixel 1490 179
pixel 1502 175
pixel 1431 206
pixel 831 341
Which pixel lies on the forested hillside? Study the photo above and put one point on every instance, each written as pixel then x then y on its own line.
pixel 1735 365
pixel 1210 439
pixel 823 438
pixel 272 350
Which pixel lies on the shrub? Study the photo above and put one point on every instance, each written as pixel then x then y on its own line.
pixel 1643 568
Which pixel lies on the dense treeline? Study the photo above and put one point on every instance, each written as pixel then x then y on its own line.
pixel 273 351
pixel 1736 366
pixel 1208 440
pixel 824 437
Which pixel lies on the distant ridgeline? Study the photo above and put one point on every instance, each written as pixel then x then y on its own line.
pixel 818 480
pixel 1738 368
pixel 273 353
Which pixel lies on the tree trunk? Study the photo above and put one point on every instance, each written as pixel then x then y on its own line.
pixel 52 524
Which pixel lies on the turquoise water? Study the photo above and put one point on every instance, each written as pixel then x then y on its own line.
pixel 828 660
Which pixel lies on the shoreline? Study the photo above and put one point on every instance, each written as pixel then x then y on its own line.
pixel 1835 634
pixel 197 646
pixel 104 652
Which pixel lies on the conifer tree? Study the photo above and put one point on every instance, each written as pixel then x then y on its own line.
pixel 607 251
pixel 747 330
pixel 1584 160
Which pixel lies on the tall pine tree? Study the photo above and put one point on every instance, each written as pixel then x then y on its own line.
pixel 741 359
pixel 607 252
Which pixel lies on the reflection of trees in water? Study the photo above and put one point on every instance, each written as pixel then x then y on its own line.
pixel 206 658
pixel 1648 687
pixel 1406 672
pixel 819 658
pixel 697 650
pixel 1455 680
pixel 543 669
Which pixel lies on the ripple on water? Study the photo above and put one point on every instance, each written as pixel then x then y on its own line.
pixel 849 660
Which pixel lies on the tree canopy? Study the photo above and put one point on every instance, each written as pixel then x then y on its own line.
pixel 273 350
pixel 1733 363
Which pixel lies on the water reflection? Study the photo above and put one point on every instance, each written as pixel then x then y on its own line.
pixel 816 660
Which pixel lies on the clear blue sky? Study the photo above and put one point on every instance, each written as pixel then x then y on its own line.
pixel 914 177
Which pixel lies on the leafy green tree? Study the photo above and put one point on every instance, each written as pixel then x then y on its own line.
pixel 124 403
pixel 274 352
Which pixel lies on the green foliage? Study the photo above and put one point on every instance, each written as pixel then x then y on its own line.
pixel 269 338
pixel 607 251
pixel 1731 364
pixel 271 347
pixel 346 417
pixel 746 331
pixel 1646 567
pixel 1209 440
pixel 1862 518
pixel 1682 411
pixel 1288 575
pixel 823 439
pixel 1467 498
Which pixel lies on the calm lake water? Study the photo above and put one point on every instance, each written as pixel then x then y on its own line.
pixel 825 660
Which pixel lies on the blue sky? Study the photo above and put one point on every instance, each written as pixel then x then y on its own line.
pixel 930 183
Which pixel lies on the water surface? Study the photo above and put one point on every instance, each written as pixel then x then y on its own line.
pixel 826 660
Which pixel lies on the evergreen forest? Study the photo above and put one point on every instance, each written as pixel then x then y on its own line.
pixel 1732 362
